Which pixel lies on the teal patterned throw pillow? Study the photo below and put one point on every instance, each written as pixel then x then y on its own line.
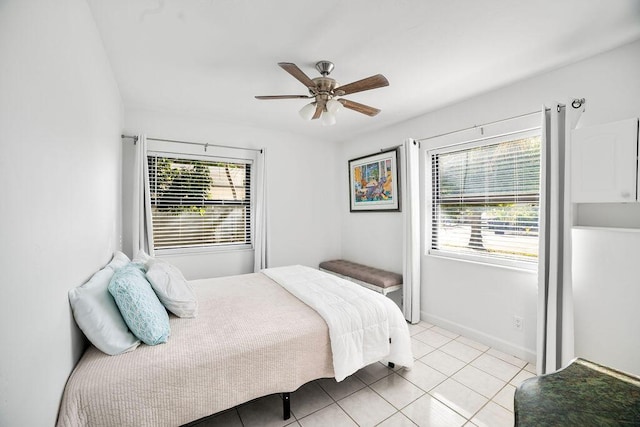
pixel 140 308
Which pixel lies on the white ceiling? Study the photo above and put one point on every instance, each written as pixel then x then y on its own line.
pixel 208 58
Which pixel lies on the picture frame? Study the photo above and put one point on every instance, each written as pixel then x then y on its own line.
pixel 373 182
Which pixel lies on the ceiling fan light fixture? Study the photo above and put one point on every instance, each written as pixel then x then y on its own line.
pixel 308 111
pixel 333 106
pixel 328 118
pixel 327 93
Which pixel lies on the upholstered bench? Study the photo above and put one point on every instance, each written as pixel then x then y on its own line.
pixel 373 278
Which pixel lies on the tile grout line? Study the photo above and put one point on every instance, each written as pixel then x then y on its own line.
pixel 482 352
pixel 392 405
pixel 344 397
pixel 447 378
pixel 491 399
pixel 485 404
pixel 464 385
pixel 424 392
pixel 345 411
pixel 319 409
pixel 469 388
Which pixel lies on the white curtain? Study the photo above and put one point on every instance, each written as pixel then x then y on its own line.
pixel 142 235
pixel 411 225
pixel 260 229
pixel 555 346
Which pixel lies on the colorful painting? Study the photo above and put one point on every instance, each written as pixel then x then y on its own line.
pixel 373 182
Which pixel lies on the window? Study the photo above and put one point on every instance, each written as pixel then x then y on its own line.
pixel 199 202
pixel 486 199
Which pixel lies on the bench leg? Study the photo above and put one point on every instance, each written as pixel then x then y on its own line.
pixel 392 365
pixel 286 405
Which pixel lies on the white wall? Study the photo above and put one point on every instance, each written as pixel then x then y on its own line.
pixel 61 216
pixel 302 202
pixel 60 118
pixel 606 293
pixel 474 299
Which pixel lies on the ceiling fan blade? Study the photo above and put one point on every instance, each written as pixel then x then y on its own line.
pixel 318 113
pixel 282 97
pixel 360 108
pixel 369 83
pixel 296 72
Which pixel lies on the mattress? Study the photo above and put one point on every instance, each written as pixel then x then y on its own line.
pixel 251 338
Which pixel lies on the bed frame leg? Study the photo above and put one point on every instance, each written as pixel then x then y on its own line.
pixel 392 365
pixel 286 405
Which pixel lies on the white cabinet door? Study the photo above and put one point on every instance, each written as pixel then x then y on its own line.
pixel 604 162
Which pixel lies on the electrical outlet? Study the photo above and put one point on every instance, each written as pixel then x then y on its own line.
pixel 518 323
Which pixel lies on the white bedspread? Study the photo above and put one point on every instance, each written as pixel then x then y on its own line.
pixel 364 326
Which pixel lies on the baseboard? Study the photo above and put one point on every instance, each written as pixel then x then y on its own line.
pixel 486 339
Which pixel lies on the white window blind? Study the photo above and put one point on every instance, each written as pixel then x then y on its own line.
pixel 485 200
pixel 199 203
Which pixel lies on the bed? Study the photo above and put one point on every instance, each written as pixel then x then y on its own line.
pixel 252 338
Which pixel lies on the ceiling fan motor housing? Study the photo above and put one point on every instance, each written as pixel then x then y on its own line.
pixel 324 84
pixel 324 67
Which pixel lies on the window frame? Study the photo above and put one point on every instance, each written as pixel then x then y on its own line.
pixel 460 144
pixel 210 154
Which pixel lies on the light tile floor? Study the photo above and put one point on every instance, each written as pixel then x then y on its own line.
pixel 454 382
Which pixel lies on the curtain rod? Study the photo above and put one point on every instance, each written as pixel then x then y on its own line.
pixel 575 103
pixel 203 144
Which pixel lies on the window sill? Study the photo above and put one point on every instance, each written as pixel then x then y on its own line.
pixel 203 250
pixel 526 267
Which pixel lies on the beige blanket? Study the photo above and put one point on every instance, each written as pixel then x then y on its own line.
pixel 251 338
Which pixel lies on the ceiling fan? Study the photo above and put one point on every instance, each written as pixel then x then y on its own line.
pixel 326 92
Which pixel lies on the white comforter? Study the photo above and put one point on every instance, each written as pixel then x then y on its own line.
pixel 364 326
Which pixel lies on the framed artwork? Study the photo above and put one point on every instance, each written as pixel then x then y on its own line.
pixel 373 182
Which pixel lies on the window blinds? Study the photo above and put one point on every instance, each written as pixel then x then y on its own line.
pixel 485 200
pixel 199 203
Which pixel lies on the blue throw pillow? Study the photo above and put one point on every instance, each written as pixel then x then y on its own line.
pixel 140 308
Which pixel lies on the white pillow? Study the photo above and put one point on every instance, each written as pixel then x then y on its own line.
pixel 172 289
pixel 142 258
pixel 97 314
pixel 118 261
